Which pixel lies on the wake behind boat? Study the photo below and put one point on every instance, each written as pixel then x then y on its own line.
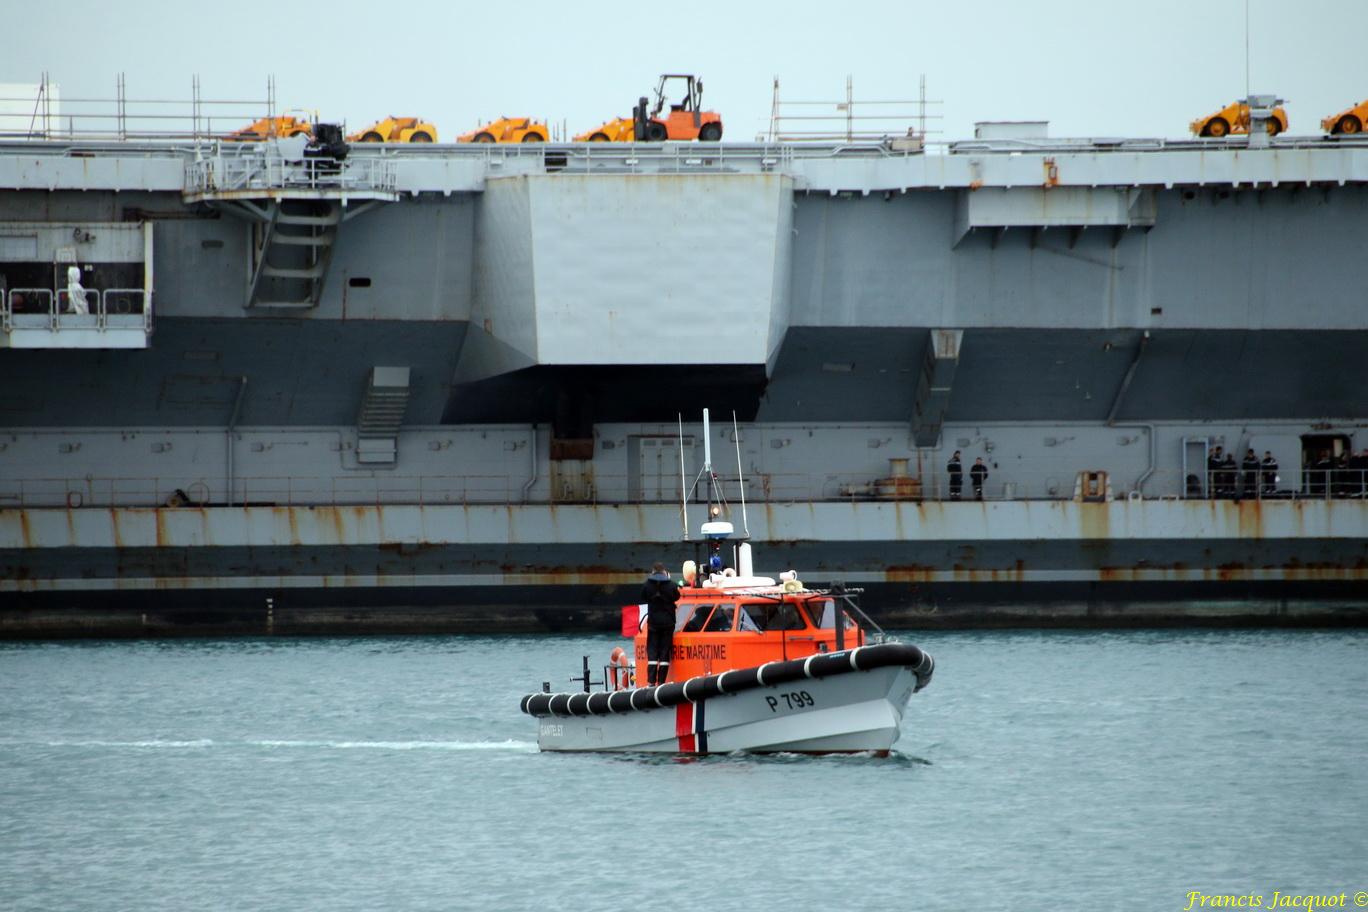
pixel 755 664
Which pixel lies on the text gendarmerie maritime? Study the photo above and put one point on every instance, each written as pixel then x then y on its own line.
pixel 697 652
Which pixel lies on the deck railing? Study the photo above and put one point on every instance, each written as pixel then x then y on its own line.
pixel 256 167
pixel 386 489
pixel 45 308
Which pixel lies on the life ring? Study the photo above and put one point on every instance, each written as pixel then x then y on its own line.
pixel 621 669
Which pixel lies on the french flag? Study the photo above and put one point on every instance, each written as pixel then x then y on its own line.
pixel 633 616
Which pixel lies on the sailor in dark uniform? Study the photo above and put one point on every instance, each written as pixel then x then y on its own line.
pixel 978 474
pixel 1249 482
pixel 659 593
pixel 956 470
pixel 1270 473
pixel 1214 472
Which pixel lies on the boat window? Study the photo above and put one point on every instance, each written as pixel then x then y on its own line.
pixel 753 618
pixel 748 624
pixel 692 618
pixel 721 620
pixel 787 618
pixel 824 614
pixel 771 616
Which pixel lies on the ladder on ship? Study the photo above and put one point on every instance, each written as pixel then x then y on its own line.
pixel 291 249
pixel 294 205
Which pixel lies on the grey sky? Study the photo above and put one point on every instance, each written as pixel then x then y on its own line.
pixel 1091 67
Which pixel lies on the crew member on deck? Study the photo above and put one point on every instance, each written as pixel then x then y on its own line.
pixel 1270 473
pixel 1214 473
pixel 659 594
pixel 978 474
pixel 1250 479
pixel 956 470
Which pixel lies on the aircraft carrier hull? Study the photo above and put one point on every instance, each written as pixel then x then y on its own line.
pixel 412 569
pixel 458 388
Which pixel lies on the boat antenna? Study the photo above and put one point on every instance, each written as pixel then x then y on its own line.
pixel 740 478
pixel 709 476
pixel 707 446
pixel 683 490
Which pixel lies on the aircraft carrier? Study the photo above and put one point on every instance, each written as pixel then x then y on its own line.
pixel 440 387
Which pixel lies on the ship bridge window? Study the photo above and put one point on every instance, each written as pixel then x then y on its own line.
pixel 771 616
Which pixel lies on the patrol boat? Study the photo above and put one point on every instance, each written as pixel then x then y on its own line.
pixel 757 664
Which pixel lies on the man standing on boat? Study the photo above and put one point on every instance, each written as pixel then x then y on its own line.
pixel 659 593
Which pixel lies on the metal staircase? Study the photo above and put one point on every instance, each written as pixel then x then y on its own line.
pixel 382 413
pixel 291 250
pixel 294 204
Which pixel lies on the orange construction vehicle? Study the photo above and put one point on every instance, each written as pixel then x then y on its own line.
pixel 619 129
pixel 397 129
pixel 1350 120
pixel 507 130
pixel 1234 118
pixel 685 120
pixel 274 127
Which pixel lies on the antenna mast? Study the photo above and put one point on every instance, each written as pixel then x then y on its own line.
pixel 740 478
pixel 1246 50
pixel 683 490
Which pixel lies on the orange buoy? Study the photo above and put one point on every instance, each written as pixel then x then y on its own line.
pixel 622 675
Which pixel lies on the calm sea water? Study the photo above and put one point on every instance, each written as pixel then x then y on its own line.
pixel 1038 771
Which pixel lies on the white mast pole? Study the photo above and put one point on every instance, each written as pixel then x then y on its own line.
pixel 683 489
pixel 707 446
pixel 741 479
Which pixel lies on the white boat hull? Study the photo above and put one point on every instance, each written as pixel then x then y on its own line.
pixel 860 711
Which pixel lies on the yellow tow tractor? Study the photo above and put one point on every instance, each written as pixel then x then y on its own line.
pixel 1234 118
pixel 286 124
pixel 507 130
pixel 397 130
pixel 1350 121
pixel 619 129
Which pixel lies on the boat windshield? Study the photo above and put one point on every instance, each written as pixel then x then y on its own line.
pixel 706 619
pixel 691 618
pixel 823 613
pixel 769 615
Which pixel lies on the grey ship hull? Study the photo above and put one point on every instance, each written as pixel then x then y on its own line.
pixel 299 582
pixel 553 311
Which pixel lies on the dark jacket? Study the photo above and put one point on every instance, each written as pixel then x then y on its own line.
pixel 659 593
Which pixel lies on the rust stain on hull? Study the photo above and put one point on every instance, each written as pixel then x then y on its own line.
pixel 1095 520
pixel 911 573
